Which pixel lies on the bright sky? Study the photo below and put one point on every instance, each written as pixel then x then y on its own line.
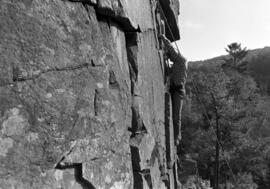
pixel 208 26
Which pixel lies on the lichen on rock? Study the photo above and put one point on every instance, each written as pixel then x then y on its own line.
pixel 15 124
pixel 5 145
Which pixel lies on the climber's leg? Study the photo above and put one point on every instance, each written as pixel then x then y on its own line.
pixel 177 94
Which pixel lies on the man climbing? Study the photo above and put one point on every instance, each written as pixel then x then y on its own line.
pixel 178 75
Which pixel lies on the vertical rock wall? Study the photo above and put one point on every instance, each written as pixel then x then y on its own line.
pixel 81 94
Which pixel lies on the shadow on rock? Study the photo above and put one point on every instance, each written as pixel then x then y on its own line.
pixel 78 174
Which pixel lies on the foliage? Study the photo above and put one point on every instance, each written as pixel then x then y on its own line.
pixel 244 181
pixel 259 68
pixel 244 123
pixel 194 182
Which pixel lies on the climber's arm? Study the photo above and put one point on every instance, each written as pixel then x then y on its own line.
pixel 172 53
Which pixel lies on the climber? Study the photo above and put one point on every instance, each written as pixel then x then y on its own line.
pixel 178 75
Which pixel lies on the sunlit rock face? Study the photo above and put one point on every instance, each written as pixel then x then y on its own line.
pixel 81 94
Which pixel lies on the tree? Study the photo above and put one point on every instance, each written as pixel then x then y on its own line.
pixel 232 99
pixel 210 89
pixel 237 53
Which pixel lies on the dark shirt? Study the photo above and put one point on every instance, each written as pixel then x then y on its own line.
pixel 180 64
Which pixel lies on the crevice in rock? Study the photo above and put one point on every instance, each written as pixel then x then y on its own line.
pixel 114 13
pixel 132 52
pixel 122 21
pixel 138 128
pixel 113 83
pixel 136 121
pixel 78 174
pixel 90 2
pixel 147 177
pixel 96 102
pixel 135 160
pixel 137 125
pixel 93 63
pixel 139 173
pixel 17 77
pixel 167 129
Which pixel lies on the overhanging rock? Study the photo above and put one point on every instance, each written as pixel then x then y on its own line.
pixel 171 11
pixel 134 15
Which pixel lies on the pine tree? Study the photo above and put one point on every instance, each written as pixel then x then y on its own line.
pixel 236 52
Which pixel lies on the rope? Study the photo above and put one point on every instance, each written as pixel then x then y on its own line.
pixel 166 21
pixel 196 92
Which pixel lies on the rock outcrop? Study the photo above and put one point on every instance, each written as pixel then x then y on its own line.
pixel 82 94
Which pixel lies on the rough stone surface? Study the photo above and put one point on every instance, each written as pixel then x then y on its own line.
pixel 77 82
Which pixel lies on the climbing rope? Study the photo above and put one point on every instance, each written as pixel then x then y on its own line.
pixel 196 92
pixel 166 21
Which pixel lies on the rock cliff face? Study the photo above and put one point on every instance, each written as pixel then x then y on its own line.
pixel 82 94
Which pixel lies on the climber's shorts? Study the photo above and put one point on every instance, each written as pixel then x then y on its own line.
pixel 178 89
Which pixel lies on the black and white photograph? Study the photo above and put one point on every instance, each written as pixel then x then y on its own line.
pixel 134 94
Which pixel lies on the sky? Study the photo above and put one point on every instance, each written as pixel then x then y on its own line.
pixel 208 26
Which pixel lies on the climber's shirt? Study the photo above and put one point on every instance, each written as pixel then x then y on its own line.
pixel 179 67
